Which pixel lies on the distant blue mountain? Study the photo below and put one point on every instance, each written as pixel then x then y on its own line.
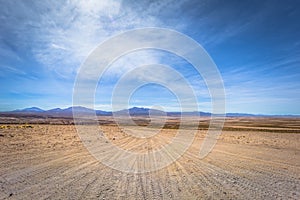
pixel 140 111
pixel 241 115
pixel 32 109
pixel 78 109
pixel 134 111
pixel 137 110
pixel 55 110
pixel 103 113
pixel 195 113
pixel 69 111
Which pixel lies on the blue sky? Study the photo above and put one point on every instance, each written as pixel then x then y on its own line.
pixel 255 44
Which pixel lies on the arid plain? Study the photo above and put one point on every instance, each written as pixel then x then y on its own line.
pixel 254 158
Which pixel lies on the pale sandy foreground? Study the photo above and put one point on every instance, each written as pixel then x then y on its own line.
pixel 50 162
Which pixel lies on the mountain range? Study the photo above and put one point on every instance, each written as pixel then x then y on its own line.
pixel 134 111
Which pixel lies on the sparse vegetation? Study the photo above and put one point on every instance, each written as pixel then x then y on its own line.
pixel 16 126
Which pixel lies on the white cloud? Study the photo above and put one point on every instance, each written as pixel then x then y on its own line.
pixel 72 30
pixel 12 70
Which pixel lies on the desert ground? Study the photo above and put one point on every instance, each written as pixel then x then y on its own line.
pixel 254 158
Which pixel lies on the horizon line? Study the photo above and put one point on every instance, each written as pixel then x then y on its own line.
pixel 147 107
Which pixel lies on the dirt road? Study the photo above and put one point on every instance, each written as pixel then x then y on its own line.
pixel 50 162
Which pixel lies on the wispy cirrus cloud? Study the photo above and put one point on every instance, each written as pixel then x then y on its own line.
pixel 69 35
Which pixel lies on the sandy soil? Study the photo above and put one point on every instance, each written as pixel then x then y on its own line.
pixel 50 162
